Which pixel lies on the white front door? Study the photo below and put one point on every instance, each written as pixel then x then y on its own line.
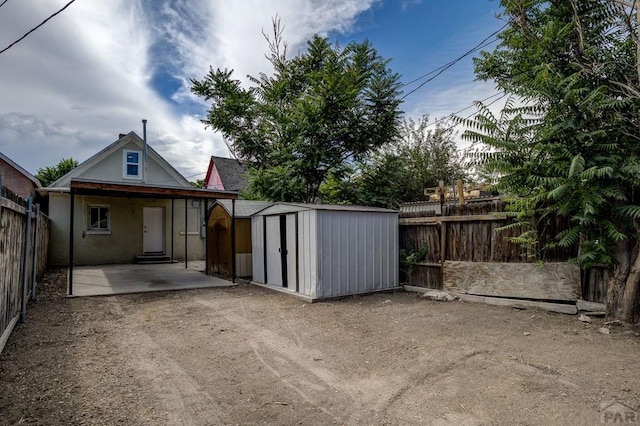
pixel 153 229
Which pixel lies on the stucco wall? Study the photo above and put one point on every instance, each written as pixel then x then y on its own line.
pixel 124 242
pixel 59 241
pixel 16 181
pixel 110 169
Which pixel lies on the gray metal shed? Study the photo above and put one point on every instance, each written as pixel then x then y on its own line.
pixel 320 251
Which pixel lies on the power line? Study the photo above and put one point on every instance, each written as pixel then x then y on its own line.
pixel 502 95
pixel 487 106
pixel 197 174
pixel 186 177
pixel 485 42
pixel 2 4
pixel 470 106
pixel 34 28
pixel 473 49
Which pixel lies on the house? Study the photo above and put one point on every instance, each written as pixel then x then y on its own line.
pixel 126 204
pixel 220 233
pixel 225 174
pixel 16 179
pixel 321 251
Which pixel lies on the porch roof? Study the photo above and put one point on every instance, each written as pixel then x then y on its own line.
pixel 113 189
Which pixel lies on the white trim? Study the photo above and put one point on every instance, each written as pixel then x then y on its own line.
pixel 147 224
pixel 99 231
pixel 114 148
pixel 126 164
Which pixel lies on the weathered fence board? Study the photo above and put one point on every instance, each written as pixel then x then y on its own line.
pixel 594 284
pixel 426 275
pixel 553 307
pixel 12 239
pixel 469 233
pixel 16 265
pixel 545 281
pixel 44 225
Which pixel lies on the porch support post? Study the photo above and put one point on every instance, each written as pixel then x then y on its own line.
pixel 172 219
pixel 71 222
pixel 186 206
pixel 206 236
pixel 233 240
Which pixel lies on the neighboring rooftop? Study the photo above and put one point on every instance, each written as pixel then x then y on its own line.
pixel 13 164
pixel 231 171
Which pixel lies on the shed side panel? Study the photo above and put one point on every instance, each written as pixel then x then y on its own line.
pixel 307 252
pixel 357 252
pixel 257 254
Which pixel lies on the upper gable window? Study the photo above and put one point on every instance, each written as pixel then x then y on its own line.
pixel 132 164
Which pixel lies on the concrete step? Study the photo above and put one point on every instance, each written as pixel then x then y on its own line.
pixel 152 258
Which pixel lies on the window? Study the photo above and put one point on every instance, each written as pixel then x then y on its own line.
pixel 99 220
pixel 132 164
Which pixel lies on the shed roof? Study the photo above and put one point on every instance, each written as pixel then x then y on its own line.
pixel 291 207
pixel 245 208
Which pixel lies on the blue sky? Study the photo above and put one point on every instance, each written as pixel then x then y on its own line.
pixel 98 68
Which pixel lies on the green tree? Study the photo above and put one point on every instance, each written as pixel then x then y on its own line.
pixel 430 155
pixel 50 174
pixel 399 171
pixel 318 113
pixel 199 183
pixel 379 182
pixel 573 149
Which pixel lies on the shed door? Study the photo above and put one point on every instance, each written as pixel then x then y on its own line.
pixel 291 255
pixel 153 229
pixel 272 247
pixel 281 251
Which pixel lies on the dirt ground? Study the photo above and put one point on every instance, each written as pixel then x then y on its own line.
pixel 247 355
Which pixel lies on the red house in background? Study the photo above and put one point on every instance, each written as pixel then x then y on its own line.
pixel 225 174
pixel 16 179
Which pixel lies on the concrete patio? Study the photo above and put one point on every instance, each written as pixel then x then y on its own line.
pixel 103 280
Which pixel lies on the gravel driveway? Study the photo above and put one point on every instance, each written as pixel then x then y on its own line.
pixel 247 355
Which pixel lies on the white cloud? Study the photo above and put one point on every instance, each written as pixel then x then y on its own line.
pixel 70 87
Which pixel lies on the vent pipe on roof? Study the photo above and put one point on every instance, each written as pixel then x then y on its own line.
pixel 144 152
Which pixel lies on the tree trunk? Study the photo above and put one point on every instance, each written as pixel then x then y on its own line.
pixel 623 292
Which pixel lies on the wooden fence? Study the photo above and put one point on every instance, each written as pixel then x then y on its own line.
pixel 24 241
pixel 468 233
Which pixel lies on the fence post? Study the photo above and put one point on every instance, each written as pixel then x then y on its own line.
pixel 25 266
pixel 460 187
pixel 186 210
pixel 35 253
pixel 1 194
pixel 443 250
